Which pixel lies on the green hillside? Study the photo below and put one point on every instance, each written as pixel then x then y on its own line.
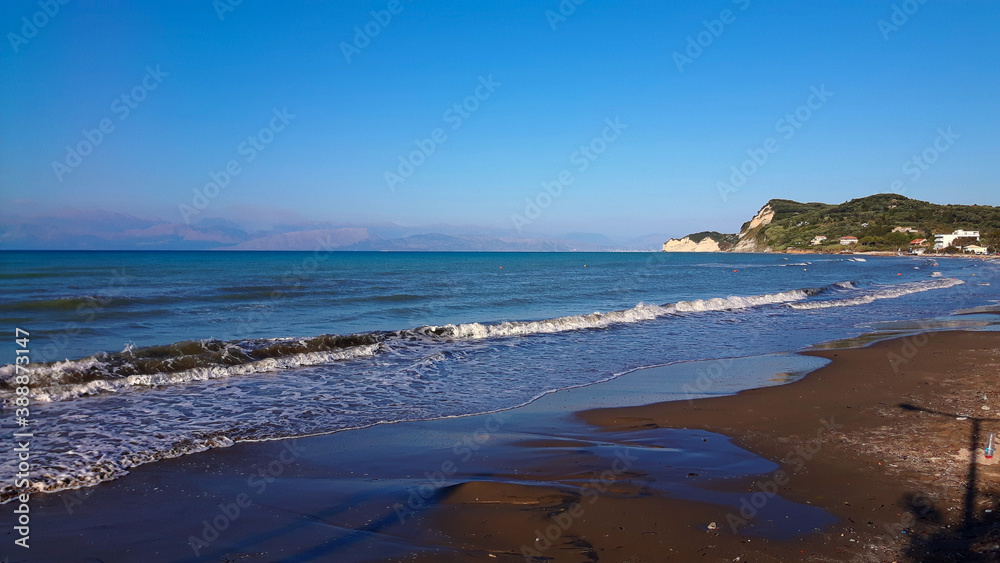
pixel 872 220
pixel 725 241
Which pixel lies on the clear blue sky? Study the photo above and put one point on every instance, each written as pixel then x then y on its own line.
pixel 892 91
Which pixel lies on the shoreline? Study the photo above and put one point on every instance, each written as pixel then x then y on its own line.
pixel 887 253
pixel 859 438
pixel 896 460
pixel 658 475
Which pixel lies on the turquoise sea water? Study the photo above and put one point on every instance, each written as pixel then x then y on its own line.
pixel 141 356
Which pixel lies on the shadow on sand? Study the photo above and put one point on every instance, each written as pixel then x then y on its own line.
pixel 977 537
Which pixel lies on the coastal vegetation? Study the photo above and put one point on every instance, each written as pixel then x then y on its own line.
pixel 888 222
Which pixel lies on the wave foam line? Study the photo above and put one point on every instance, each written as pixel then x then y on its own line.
pixel 107 469
pixel 201 360
pixel 65 392
pixel 639 313
pixel 887 293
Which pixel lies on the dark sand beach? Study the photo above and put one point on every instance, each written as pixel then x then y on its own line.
pixel 866 459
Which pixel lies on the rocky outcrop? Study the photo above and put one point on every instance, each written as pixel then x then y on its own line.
pixel 751 237
pixel 687 245
pixel 783 225
pixel 750 244
pixel 761 219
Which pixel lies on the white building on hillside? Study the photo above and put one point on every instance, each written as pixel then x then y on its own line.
pixel 818 240
pixel 944 241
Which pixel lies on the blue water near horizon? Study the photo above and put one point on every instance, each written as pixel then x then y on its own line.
pixel 183 351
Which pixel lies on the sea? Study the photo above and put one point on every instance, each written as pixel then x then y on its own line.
pixel 137 357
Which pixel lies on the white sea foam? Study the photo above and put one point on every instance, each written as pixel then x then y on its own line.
pixel 731 303
pixel 100 462
pixel 889 292
pixel 63 381
pixel 64 392
pixel 47 372
pixel 412 373
pixel 639 313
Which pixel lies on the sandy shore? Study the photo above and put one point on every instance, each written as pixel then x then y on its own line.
pixel 865 459
pixel 880 439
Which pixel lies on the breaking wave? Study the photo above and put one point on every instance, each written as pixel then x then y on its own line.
pixel 889 292
pixel 146 415
pixel 202 360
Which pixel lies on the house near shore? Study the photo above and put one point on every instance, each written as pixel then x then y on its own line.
pixel 975 249
pixel 848 240
pixel 918 242
pixel 944 241
pixel 816 241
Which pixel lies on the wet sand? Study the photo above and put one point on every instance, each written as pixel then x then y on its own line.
pixel 859 460
pixel 880 439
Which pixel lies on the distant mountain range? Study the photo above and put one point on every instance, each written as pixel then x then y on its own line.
pixel 105 230
pixel 879 222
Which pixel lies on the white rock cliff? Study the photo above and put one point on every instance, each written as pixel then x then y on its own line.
pixel 748 237
pixel 687 245
pixel 748 240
